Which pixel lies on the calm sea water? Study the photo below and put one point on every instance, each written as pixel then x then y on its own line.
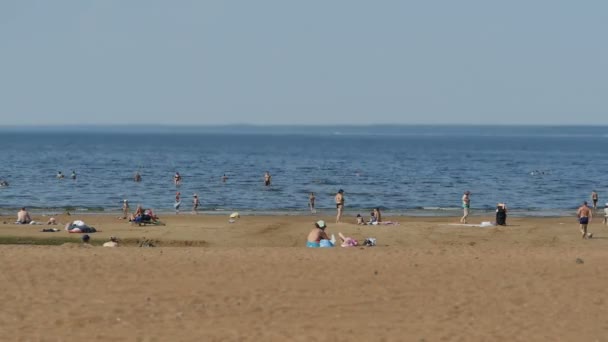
pixel 414 170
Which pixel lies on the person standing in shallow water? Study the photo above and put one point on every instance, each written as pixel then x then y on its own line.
pixel 339 205
pixel 466 206
pixel 267 178
pixel 177 179
pixel 178 202
pixel 137 176
pixel 73 176
pixel 195 204
pixel 594 198
pixel 311 202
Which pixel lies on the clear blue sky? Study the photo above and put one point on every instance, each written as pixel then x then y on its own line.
pixel 303 62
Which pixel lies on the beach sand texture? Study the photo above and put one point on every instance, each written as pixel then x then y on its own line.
pixel 425 281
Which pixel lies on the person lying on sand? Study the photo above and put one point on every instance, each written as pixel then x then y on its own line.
pixel 318 234
pixel 348 241
pixel 112 243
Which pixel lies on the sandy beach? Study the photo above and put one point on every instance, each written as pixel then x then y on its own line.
pixel 253 280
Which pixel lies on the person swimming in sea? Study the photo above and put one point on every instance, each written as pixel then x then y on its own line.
pixel 137 176
pixel 3 184
pixel 73 176
pixel 224 178
pixel 60 175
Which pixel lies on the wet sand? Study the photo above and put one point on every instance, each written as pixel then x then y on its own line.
pixel 425 281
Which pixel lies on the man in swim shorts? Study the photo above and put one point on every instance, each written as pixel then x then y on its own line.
pixel 466 206
pixel 267 178
pixel 584 215
pixel 594 198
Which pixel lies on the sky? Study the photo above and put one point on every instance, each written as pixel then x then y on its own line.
pixel 125 62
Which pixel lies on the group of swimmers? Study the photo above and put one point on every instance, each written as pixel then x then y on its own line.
pixel 60 175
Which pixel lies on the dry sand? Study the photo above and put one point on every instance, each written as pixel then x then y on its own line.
pixel 253 281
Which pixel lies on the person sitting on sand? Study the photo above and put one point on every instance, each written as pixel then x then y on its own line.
pixel 51 221
pixel 139 211
pixel 23 217
pixel 112 243
pixel 373 220
pixel 501 214
pixel 317 234
pixel 378 215
pixel 360 220
pixel 86 239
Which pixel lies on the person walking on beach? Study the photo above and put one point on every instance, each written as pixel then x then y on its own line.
pixel 584 215
pixel 594 198
pixel 137 177
pixel 466 206
pixel 178 202
pixel 177 179
pixel 125 209
pixel 195 204
pixel 267 178
pixel 311 202
pixel 339 205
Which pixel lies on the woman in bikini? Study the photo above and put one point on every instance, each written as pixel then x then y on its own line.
pixel 339 205
pixel 311 202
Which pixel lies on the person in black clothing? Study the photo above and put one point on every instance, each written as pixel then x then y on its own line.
pixel 501 214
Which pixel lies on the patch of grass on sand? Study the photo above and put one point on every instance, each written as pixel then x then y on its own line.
pixel 42 241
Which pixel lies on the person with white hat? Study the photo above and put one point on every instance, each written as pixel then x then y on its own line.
pixel 318 237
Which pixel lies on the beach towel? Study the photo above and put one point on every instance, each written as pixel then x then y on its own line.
pixel 482 224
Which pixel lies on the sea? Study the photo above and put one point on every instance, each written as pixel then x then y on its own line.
pixel 404 170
